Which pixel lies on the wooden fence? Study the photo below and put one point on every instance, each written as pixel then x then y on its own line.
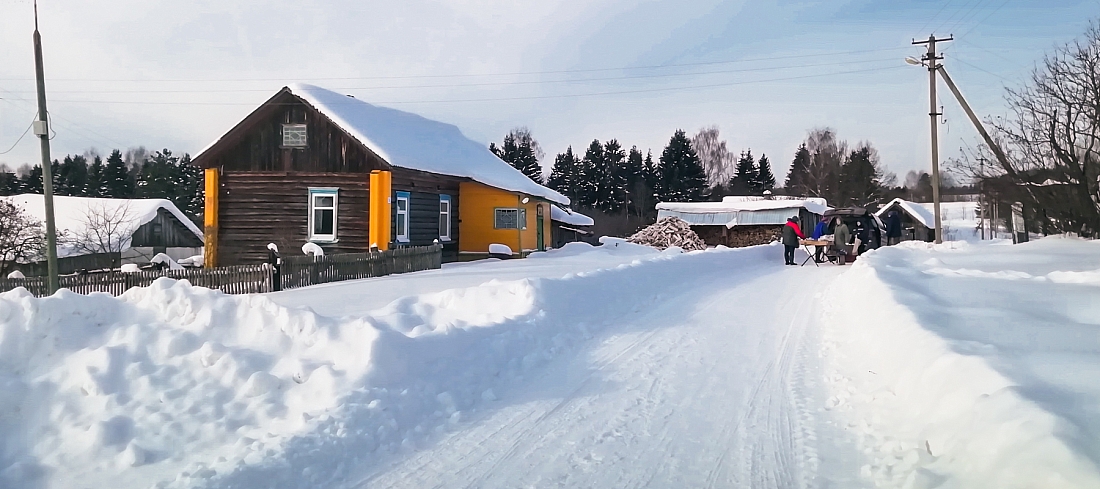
pixel 294 272
pixel 240 279
pixel 303 271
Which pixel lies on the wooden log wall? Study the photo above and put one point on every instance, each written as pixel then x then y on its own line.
pixel 257 208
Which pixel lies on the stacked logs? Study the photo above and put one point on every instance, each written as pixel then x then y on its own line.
pixel 666 232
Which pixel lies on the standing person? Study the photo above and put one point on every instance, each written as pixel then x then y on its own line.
pixel 841 235
pixel 791 234
pixel 893 228
pixel 820 230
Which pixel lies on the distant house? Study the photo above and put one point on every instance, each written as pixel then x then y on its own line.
pixel 918 220
pixel 568 226
pixel 744 221
pixel 314 165
pixel 106 233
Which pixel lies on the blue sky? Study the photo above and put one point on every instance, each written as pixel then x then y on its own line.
pixel 179 74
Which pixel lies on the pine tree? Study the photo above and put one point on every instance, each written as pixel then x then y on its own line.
pixel 522 151
pixel 682 177
pixel 764 176
pixel 9 183
pixel 747 179
pixel 31 182
pixel 116 178
pixel 565 174
pixel 94 187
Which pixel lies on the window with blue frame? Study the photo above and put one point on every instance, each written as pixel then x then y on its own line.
pixel 401 217
pixel 444 217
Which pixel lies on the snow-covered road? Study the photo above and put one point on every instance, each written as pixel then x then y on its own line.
pixel 712 385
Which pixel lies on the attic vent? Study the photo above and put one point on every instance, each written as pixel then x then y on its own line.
pixel 294 136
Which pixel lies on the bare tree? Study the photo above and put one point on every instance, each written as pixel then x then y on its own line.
pixel 1051 141
pixel 827 154
pixel 104 229
pixel 716 158
pixel 22 238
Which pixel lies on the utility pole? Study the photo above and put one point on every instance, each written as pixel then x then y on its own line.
pixel 981 199
pixel 42 130
pixel 932 61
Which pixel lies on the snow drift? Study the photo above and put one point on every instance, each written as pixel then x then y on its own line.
pixel 178 386
pixel 961 366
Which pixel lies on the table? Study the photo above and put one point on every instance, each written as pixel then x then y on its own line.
pixel 807 243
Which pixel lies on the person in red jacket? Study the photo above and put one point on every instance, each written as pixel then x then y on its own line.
pixel 791 234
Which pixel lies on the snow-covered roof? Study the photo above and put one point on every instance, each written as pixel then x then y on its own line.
pixel 569 217
pixel 71 214
pixel 924 213
pixel 411 141
pixel 816 205
pixel 741 211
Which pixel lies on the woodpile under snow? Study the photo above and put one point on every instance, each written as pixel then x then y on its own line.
pixel 666 232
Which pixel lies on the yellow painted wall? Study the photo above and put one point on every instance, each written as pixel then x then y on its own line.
pixel 476 205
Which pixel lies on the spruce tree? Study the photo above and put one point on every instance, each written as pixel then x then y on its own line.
pixel 157 177
pixel 565 174
pixel 860 178
pixel 9 183
pixel 614 182
pixel 746 180
pixel 522 151
pixel 31 182
pixel 634 172
pixel 591 172
pixel 116 178
pixel 682 177
pixel 94 187
pixel 72 176
pixel 189 188
pixel 764 176
pixel 800 169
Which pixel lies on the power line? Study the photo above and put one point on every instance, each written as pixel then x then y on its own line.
pixel 536 97
pixel 933 17
pixel 524 82
pixel 28 129
pixel 472 75
pixel 985 18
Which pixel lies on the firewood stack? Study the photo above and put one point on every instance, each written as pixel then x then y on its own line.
pixel 669 231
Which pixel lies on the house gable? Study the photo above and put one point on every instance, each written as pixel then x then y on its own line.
pixel 256 143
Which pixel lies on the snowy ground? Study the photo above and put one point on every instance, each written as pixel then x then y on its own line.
pixel 919 367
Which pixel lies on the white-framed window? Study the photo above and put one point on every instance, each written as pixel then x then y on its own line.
pixel 322 213
pixel 444 217
pixel 401 217
pixel 294 136
pixel 510 218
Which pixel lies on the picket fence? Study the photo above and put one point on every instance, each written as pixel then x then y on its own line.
pixel 293 272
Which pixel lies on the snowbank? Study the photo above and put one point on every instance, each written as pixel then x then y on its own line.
pixel 178 386
pixel 960 366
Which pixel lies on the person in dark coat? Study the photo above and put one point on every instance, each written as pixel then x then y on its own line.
pixel 841 235
pixel 893 228
pixel 791 234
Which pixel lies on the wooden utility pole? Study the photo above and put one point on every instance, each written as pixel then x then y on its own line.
pixel 42 130
pixel 931 59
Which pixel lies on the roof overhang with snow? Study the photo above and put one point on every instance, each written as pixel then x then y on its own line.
pixel 570 217
pixel 407 140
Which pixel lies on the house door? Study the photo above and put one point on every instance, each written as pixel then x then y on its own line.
pixel 539 228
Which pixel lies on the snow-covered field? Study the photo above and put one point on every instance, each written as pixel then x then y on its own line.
pixel 961 365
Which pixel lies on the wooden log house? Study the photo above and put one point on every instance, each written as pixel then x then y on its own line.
pixel 312 165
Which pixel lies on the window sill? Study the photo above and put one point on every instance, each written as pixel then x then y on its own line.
pixel 323 240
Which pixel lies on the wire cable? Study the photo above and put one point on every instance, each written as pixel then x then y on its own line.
pixel 21 136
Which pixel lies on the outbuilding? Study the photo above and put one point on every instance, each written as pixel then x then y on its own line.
pixel 739 221
pixel 918 219
pixel 568 226
pixel 99 233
